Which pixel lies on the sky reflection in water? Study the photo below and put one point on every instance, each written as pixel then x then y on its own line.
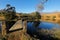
pixel 42 25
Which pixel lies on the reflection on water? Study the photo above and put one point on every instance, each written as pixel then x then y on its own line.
pixel 43 25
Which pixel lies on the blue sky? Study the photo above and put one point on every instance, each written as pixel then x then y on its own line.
pixel 27 6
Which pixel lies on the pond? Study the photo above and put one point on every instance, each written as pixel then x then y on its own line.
pixel 43 25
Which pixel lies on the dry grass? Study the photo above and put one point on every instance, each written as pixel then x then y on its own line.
pixel 57 33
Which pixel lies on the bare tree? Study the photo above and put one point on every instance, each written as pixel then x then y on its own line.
pixel 40 6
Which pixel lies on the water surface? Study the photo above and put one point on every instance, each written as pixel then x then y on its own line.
pixel 42 25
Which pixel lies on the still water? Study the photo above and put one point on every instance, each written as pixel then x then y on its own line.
pixel 43 25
